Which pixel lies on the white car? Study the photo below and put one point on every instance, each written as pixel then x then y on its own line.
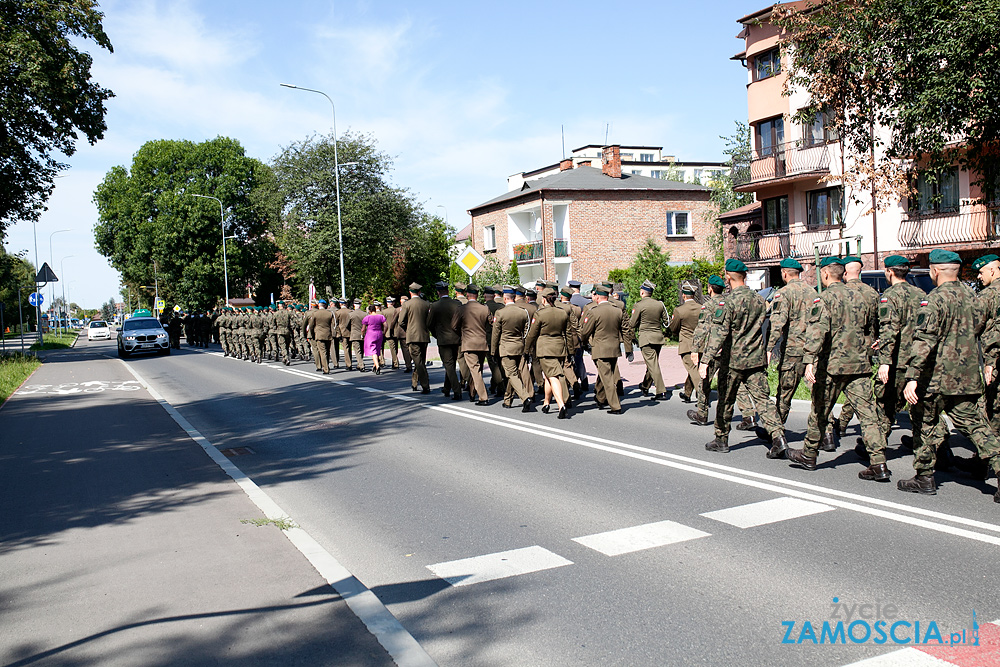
pixel 98 330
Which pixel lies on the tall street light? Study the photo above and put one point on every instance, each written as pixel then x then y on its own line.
pixel 63 274
pixel 336 179
pixel 52 259
pixel 222 223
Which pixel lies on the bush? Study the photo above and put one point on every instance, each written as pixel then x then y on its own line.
pixel 652 263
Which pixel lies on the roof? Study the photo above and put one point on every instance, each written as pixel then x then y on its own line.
pixel 764 14
pixel 656 148
pixel 742 211
pixel 591 178
pixel 464 234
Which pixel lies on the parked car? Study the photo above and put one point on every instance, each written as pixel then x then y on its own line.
pixel 142 334
pixel 918 277
pixel 98 330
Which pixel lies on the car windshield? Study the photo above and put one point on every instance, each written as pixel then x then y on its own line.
pixel 98 325
pixel 141 323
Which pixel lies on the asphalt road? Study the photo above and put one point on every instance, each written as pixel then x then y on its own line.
pixel 725 547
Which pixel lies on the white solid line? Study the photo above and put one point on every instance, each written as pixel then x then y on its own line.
pixel 385 627
pixel 637 538
pixel 468 571
pixel 768 511
pixel 907 657
pixel 576 439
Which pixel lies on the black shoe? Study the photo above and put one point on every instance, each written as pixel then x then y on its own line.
pixel 526 406
pixel 717 445
pixel 879 473
pixel 829 443
pixel 456 397
pixel 761 433
pixel 645 391
pixel 482 402
pixel 778 448
pixel 319 370
pixel 924 484
pixel 602 406
pixel 577 390
pixel 426 390
pixel 697 417
pixel 798 457
pixel 563 415
pixel 445 391
pixel 747 424
pixel 615 412
pixel 660 397
pixel 685 398
pixel 545 409
pixel 472 397
pixel 326 372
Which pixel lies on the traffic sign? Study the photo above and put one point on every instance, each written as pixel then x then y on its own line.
pixel 177 309
pixel 45 275
pixel 470 260
pixel 36 299
pixel 160 304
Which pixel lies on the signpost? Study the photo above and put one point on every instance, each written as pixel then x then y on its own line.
pixel 470 260
pixel 160 305
pixel 36 299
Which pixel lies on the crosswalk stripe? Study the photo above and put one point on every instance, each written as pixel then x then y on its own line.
pixel 371 390
pixel 400 397
pixel 908 657
pixel 500 565
pixel 637 538
pixel 768 511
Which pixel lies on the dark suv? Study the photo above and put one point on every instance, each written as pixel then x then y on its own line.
pixel 919 277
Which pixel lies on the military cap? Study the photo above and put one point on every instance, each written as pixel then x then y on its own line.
pixel 519 290
pixel 472 287
pixel 851 258
pixel 390 299
pixel 416 287
pixel 939 256
pixel 545 292
pixel 982 261
pixel 539 283
pixel 342 302
pixel 688 288
pixel 607 283
pixel 460 287
pixel 357 302
pixel 322 301
pixel 441 285
pixel 489 290
pixel 790 263
pixel 899 260
pixel 566 292
pixel 602 290
pixel 717 281
pixel 735 266
pixel 827 261
pixel 530 292
pixel 575 283
pixel 509 289
pixel 648 286
pixel 554 286
pixel 498 289
pixel 280 303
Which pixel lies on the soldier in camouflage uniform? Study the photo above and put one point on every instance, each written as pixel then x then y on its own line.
pixel 736 339
pixel 944 372
pixel 988 267
pixel 838 341
pixel 283 330
pixel 852 276
pixel 222 324
pixel 272 333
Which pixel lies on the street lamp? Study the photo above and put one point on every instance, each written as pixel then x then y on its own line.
pixel 336 179
pixel 445 212
pixel 222 222
pixel 65 302
pixel 52 289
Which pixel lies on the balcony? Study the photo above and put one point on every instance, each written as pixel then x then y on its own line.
pixel 528 253
pixel 562 248
pixel 762 246
pixel 928 228
pixel 781 162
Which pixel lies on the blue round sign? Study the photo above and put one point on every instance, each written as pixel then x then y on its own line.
pixel 36 299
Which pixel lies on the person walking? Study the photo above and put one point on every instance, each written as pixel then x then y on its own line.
pixel 471 322
pixel 683 322
pixel 439 323
pixel 413 321
pixel 373 335
pixel 648 320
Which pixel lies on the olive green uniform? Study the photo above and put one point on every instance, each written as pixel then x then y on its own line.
pixel 648 320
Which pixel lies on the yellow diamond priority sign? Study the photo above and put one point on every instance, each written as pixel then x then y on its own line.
pixel 470 260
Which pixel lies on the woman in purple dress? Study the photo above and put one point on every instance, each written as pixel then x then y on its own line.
pixel 373 332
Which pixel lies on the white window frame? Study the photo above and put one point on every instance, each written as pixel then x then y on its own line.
pixel 672 225
pixel 486 240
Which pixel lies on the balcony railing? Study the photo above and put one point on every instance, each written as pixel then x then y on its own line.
pixel 934 228
pixel 781 161
pixel 775 245
pixel 562 247
pixel 526 253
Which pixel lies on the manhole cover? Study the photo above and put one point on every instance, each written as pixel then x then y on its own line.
pixel 236 451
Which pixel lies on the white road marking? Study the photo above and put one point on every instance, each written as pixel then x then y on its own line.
pixel 768 511
pixel 386 628
pixel 908 657
pixel 468 571
pixel 637 538
pixel 343 383
pixel 400 397
pixel 372 390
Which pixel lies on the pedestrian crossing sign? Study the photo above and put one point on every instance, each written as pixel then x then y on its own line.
pixel 470 260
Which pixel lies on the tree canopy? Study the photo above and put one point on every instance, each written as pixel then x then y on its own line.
pixel 47 97
pixel 151 228
pixel 16 271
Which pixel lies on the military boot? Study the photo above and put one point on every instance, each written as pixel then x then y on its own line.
pixel 800 458
pixel 718 445
pixel 761 433
pixel 879 472
pixel 697 417
pixel 828 443
pixel 996 496
pixel 862 450
pixel 975 467
pixel 747 424
pixel 919 484
pixel 779 448
pixel 906 442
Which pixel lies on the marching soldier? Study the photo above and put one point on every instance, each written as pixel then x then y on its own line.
pixel 462 297
pixel 470 322
pixel 344 327
pixel 283 329
pixel 493 305
pixel 569 368
pixel 683 323
pixel 789 319
pixel 318 327
pixel 988 267
pixel 549 335
pixel 400 335
pixel 358 335
pixel 604 328
pixel 439 319
pixel 392 344
pixel 412 319
pixel 338 340
pixel 648 320
pixel 510 326
pixel 852 277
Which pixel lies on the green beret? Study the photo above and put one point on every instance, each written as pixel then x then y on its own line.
pixel 983 261
pixel 717 281
pixel 827 261
pixel 897 260
pixel 735 266
pixel 939 256
pixel 789 263
pixel 851 258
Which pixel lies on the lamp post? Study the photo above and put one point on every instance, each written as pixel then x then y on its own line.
pixel 336 180
pixel 38 308
pixel 20 310
pixel 222 223
pixel 62 273
pixel 52 289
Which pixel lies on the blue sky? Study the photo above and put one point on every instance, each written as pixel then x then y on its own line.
pixel 460 94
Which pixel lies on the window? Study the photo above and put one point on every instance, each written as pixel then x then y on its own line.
pixel 637 172
pixel 770 136
pixel 678 223
pixel 490 238
pixel 645 157
pixel 656 173
pixel 937 193
pixel 819 131
pixel 697 175
pixel 626 156
pixel 775 213
pixel 767 64
pixel 824 207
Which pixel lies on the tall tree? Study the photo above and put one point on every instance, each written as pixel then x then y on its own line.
pixel 16 271
pixel 46 97
pixel 151 229
pixel 901 80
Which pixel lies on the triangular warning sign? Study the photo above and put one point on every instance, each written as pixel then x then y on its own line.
pixel 45 275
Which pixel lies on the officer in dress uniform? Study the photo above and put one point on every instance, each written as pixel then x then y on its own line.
pixel 439 318
pixel 344 326
pixel 603 329
pixel 391 344
pixel 510 326
pixel 648 320
pixel 413 320
pixel 470 322
pixel 358 335
pixel 549 335
pixel 683 323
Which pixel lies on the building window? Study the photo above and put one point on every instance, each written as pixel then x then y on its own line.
pixel 937 192
pixel 824 207
pixel 656 173
pixel 697 175
pixel 767 64
pixel 770 136
pixel 775 213
pixel 820 130
pixel 637 172
pixel 490 238
pixel 645 157
pixel 627 157
pixel 678 223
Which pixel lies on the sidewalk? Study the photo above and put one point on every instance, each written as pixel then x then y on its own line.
pixel 121 542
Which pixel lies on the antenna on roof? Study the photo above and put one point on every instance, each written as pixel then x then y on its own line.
pixel 607 128
pixel 562 131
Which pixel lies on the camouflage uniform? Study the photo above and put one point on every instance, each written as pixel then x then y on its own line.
pixel 283 330
pixel 838 340
pixel 897 315
pixel 789 318
pixel 869 293
pixel 698 344
pixel 945 365
pixel 736 339
pixel 990 297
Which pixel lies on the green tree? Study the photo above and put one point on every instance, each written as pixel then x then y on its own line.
pixel 426 255
pixel 46 97
pixel 151 229
pixel 900 80
pixel 724 197
pixel 16 271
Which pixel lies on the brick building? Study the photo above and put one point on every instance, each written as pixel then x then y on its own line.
pixel 582 222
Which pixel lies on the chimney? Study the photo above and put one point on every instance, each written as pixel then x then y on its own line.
pixel 566 165
pixel 611 161
pixel 584 163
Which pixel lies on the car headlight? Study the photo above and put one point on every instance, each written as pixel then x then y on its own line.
pixel 161 335
pixel 129 337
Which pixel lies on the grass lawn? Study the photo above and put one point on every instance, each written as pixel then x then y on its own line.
pixel 14 369
pixel 56 341
pixel 802 392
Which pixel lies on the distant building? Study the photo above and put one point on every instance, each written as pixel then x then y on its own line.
pixel 580 221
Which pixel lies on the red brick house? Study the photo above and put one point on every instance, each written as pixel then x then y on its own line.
pixel 582 222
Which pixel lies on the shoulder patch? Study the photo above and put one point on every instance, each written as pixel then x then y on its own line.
pixel 814 311
pixel 777 297
pixel 817 300
pixel 884 299
pixel 920 319
pixel 924 302
pixel 718 311
pixel 586 319
pixel 722 303
pixel 633 311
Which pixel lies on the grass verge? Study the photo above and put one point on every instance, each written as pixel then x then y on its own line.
pixel 14 369
pixel 59 341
